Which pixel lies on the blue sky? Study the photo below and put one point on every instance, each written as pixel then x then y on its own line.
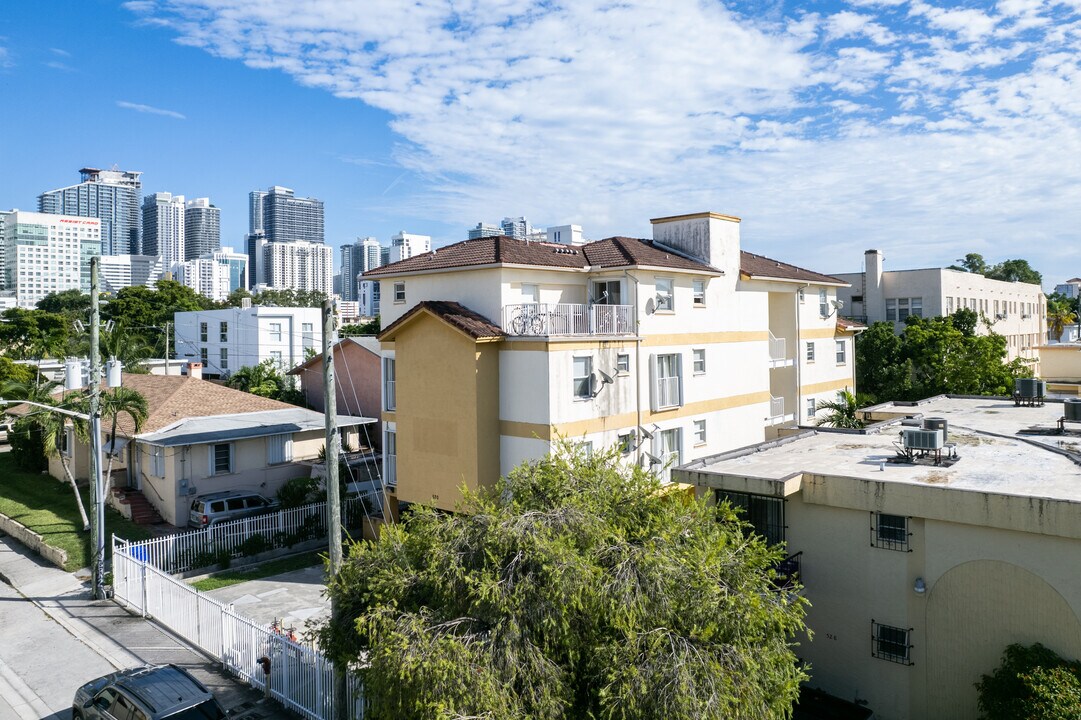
pixel 927 130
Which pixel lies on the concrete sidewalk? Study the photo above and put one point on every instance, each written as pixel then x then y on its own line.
pixel 119 637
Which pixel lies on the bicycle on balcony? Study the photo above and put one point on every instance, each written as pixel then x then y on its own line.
pixel 527 321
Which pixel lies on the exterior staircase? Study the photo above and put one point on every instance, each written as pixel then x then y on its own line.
pixel 142 512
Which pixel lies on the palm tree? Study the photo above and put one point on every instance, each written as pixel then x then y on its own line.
pixel 120 401
pixel 1059 315
pixel 54 436
pixel 129 348
pixel 842 411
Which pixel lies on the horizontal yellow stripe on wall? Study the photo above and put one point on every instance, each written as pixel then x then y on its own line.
pixel 817 333
pixel 578 428
pixel 826 386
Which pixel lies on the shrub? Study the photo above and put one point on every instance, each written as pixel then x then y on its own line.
pixel 1032 682
pixel 254 545
pixel 27 448
pixel 299 491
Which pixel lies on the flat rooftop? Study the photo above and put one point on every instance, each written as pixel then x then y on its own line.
pixel 995 453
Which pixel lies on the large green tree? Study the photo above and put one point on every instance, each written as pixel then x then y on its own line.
pixel 574 588
pixel 71 303
pixel 1032 682
pixel 1016 270
pixel 144 311
pixel 33 334
pixel 277 298
pixel 933 356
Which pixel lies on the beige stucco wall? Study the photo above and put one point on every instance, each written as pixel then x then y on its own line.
pixel 1060 362
pixel 187 472
pixel 997 570
pixel 447 416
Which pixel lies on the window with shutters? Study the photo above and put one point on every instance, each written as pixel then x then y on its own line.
pixel 221 459
pixel 582 380
pixel 667 381
pixel 157 461
pixel 668 451
pixel 390 397
pixel 279 449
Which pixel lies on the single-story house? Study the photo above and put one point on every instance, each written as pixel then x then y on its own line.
pixel 201 437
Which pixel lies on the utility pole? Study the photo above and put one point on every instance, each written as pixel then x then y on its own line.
pixel 97 486
pixel 334 500
pixel 167 324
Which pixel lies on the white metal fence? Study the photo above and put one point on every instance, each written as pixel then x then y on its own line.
pixel 208 546
pixel 301 677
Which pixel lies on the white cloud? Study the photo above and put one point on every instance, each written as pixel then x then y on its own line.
pixel 894 124
pixel 138 107
pixel 6 60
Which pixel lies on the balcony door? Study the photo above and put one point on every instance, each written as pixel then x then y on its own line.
pixel 607 292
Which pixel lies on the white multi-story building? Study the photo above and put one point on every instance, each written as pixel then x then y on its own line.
pixel 1014 310
pixel 202 228
pixel 670 349
pixel 227 340
pixel 1071 288
pixel 298 266
pixel 215 274
pixel 46 253
pixel 163 227
pixel 121 271
pixel 406 245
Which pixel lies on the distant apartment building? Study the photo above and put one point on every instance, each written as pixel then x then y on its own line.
pixel 402 246
pixel 202 228
pixel 483 230
pixel 112 196
pixel 163 227
pixel 227 340
pixel 356 257
pixel 1014 310
pixel 516 227
pixel 284 217
pixel 216 274
pixel 122 271
pixel 298 266
pixel 46 253
pixel 1071 288
pixel 669 349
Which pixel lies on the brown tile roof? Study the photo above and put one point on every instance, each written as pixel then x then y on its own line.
pixel 759 266
pixel 171 398
pixel 846 324
pixel 607 253
pixel 454 314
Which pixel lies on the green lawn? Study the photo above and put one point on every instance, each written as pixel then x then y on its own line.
pixel 267 569
pixel 48 507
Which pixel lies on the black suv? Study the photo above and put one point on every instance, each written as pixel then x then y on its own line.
pixel 152 692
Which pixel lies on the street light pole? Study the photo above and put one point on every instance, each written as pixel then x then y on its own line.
pixel 97 486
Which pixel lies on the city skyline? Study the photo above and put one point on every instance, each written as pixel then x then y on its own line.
pixel 924 130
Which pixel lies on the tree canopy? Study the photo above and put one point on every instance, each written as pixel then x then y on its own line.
pixel 576 587
pixel 1032 682
pixel 1008 270
pixel 32 334
pixel 267 380
pixel 277 298
pixel 933 356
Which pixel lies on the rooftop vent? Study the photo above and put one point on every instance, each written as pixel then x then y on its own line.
pixel 1029 391
pixel 937 423
pixel 1071 409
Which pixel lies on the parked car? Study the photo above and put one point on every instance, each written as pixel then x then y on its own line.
pixel 151 692
pixel 230 505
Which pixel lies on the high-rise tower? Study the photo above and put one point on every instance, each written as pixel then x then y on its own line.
pixel 113 196
pixel 202 228
pixel 163 227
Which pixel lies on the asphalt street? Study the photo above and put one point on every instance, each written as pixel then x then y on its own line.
pixel 54 638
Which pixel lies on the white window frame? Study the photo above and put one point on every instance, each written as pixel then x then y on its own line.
pixel 212 456
pixel 530 293
pixel 823 303
pixel 275 331
pixel 891 309
pixel 582 385
pixel 665 287
pixel 699 429
pixel 668 446
pixel 841 351
pixel 666 390
pixel 223 331
pixel 203 332
pixel 390 457
pixel 623 363
pixel 279 449
pixel 399 292
pixel 915 306
pixel 223 358
pixel 390 392
pixel 626 442
pixel 68 442
pixel 810 351
pixel 698 290
pixel 811 408
pixel 157 460
pixel 698 361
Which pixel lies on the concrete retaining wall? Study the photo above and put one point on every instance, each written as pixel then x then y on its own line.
pixel 32 540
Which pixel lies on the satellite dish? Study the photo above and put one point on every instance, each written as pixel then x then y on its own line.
pixel 653 459
pixel 605 377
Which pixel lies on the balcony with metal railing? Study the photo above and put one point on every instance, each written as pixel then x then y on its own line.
pixel 778 352
pixel 567 319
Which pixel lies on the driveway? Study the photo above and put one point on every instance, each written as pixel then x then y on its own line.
pixel 295 598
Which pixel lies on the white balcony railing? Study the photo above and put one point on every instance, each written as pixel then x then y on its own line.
pixel 776 407
pixel 777 350
pixel 554 319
